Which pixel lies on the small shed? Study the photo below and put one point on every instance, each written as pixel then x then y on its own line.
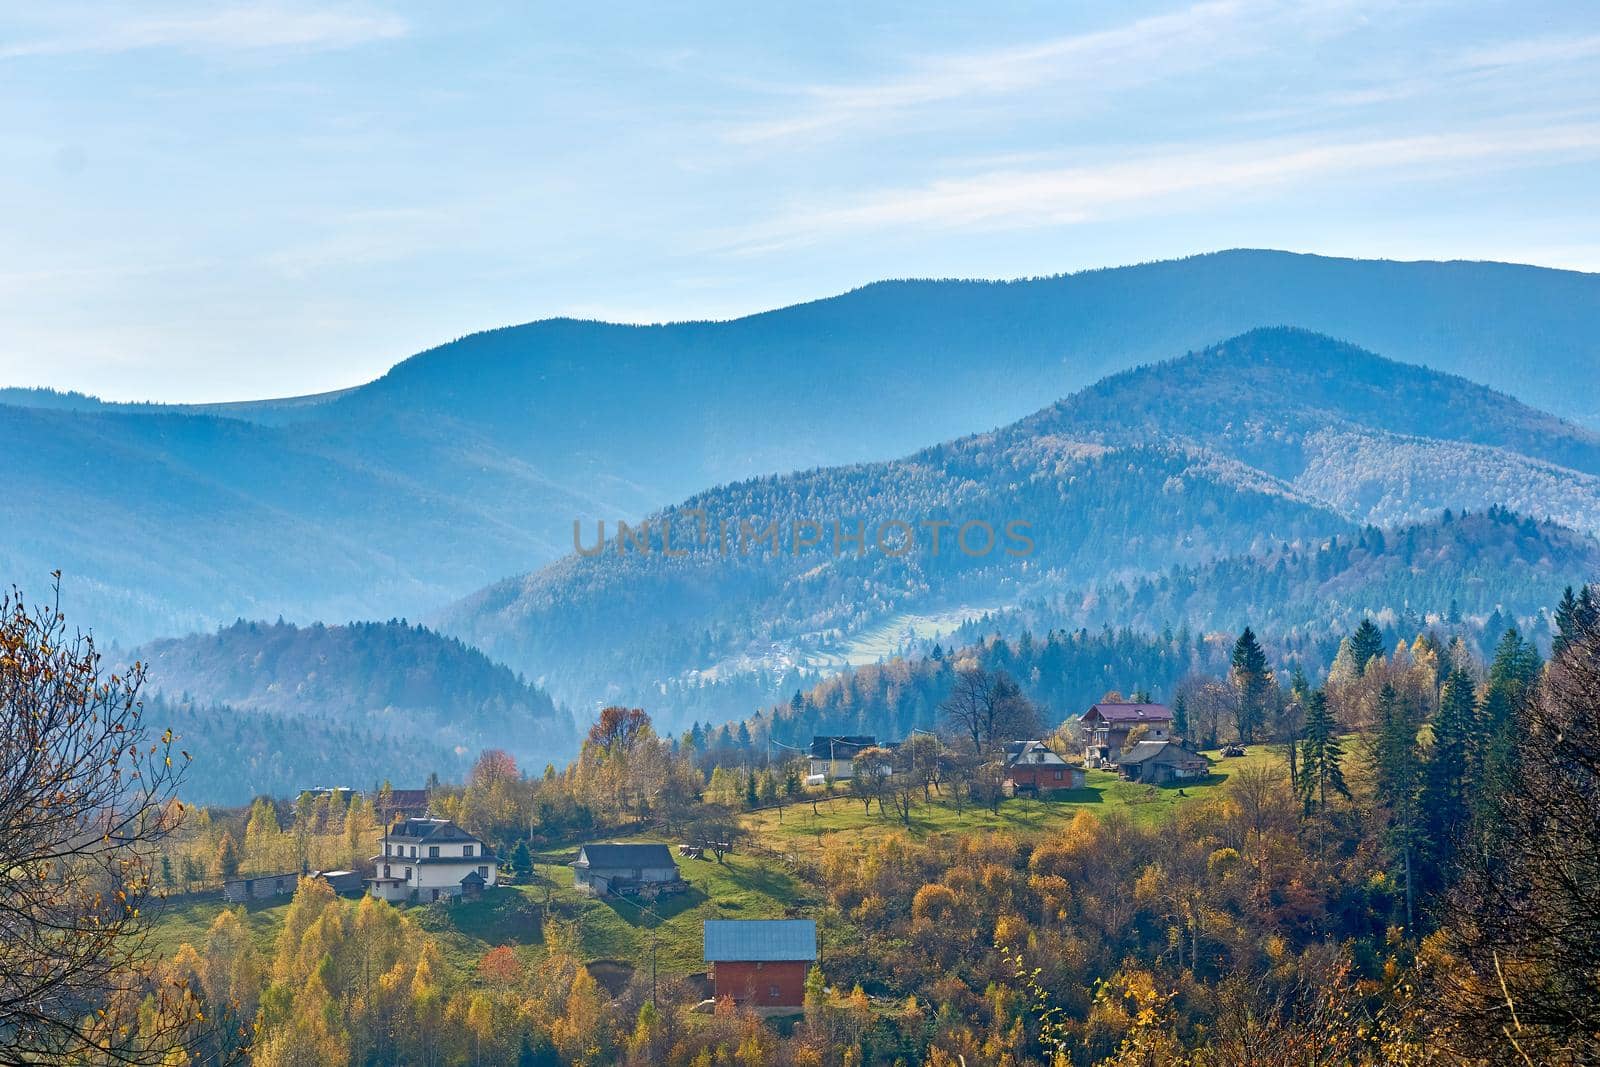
pixel 343 882
pixel 472 886
pixel 761 963
pixel 623 867
pixel 260 887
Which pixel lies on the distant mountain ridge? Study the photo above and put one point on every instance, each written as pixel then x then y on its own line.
pixel 470 461
pixel 1378 440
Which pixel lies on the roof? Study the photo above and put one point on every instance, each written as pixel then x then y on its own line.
pixel 741 940
pixel 243 878
pixel 1027 753
pixel 405 800
pixel 473 876
pixel 1131 714
pixel 432 831
pixel 1147 750
pixel 625 855
pixel 843 747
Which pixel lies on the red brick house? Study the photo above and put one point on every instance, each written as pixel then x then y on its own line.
pixel 761 963
pixel 1034 767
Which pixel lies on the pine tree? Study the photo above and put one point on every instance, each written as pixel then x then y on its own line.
pixel 1365 644
pixel 522 859
pixel 1180 716
pixel 1321 757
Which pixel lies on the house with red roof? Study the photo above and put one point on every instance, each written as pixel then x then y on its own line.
pixel 1106 726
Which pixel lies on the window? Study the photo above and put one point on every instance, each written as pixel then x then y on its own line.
pixel 408 874
pixel 484 871
pixel 1058 774
pixel 386 873
pixel 773 992
pixel 466 850
pixel 413 851
pixel 433 852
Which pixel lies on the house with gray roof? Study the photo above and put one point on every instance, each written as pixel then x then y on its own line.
pixel 624 867
pixel 1159 762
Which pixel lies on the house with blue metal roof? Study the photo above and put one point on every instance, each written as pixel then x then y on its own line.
pixel 761 962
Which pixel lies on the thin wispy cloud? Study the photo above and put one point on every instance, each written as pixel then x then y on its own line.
pixel 222 28
pixel 1146 49
pixel 1158 182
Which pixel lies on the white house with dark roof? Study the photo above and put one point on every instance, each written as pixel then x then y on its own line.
pixel 430 859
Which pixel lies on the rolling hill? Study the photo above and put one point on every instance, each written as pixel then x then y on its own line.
pixel 470 461
pixel 391 685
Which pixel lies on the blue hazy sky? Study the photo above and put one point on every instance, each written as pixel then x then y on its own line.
pixel 220 201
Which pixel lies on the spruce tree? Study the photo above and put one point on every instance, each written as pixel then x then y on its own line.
pixel 1512 676
pixel 1447 779
pixel 1321 757
pixel 227 858
pixel 1366 643
pixel 1397 776
pixel 1251 679
pixel 1575 615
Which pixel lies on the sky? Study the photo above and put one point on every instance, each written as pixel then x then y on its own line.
pixel 222 201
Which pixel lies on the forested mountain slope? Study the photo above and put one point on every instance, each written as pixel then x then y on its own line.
pixel 469 462
pixel 402 683
pixel 1209 456
pixel 633 619
pixel 1464 573
pixel 236 755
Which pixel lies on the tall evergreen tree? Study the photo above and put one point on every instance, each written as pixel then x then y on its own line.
pixel 1321 757
pixel 1397 774
pixel 1447 778
pixel 1512 675
pixel 1575 615
pixel 1252 680
pixel 1366 643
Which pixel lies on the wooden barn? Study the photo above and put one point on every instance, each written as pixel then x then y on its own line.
pixel 1159 762
pixel 761 963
